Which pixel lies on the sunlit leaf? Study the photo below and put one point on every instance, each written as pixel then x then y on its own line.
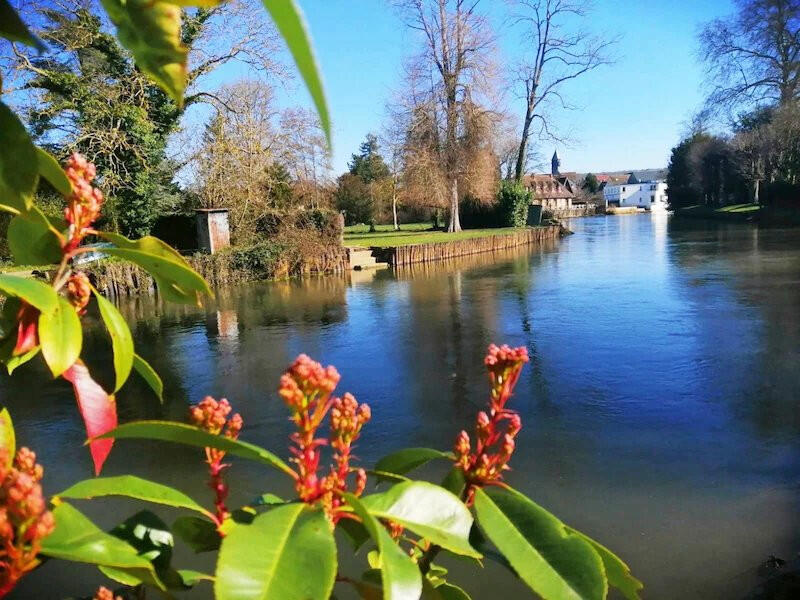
pixel 13 29
pixel 77 539
pixel 290 22
pixel 401 579
pixel 52 171
pixel 61 337
pixel 192 578
pixel 98 409
pixel 618 573
pixel 8 440
pixel 553 562
pixel 152 32
pixel 34 292
pixel 33 240
pixel 408 459
pixel 121 339
pixel 176 280
pixel 429 511
pixel 150 376
pixel 131 486
pixel 287 553
pixel 169 431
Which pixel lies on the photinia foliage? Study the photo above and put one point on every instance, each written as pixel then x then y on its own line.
pixel 272 548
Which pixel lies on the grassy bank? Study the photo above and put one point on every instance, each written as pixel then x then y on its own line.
pixel 419 233
pixel 734 212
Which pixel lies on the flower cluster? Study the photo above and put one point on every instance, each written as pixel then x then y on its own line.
pixel 83 206
pixel 24 518
pixel 79 291
pixel 496 429
pixel 306 388
pixel 103 593
pixel 213 417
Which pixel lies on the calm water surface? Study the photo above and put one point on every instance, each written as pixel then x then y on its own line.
pixel 660 411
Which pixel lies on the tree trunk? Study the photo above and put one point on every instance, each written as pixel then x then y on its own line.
pixel 455 222
pixel 394 209
pixel 519 171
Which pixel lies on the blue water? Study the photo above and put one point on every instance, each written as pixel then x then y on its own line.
pixel 660 409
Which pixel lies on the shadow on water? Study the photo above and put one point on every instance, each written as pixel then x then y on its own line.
pixel 660 410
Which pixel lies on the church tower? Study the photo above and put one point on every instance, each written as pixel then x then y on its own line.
pixel 556 163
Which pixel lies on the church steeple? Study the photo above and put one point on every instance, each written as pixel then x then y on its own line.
pixel 556 163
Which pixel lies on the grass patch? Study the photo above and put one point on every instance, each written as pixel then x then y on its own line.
pixel 739 208
pixel 390 238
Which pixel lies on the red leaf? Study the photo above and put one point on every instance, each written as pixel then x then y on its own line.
pixel 98 409
pixel 27 330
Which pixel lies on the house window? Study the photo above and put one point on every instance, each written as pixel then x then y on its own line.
pixel 623 189
pixel 652 198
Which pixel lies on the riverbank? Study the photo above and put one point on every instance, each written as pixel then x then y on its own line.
pixel 743 213
pixel 437 246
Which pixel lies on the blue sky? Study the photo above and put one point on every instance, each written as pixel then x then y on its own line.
pixel 631 113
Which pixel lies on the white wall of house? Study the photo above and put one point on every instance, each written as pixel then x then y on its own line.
pixel 648 195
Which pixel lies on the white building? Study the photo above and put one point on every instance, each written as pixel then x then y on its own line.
pixel 649 195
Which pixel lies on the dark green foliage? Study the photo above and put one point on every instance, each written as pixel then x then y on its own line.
pixel 353 198
pixel 260 261
pixel 590 183
pixel 513 200
pixel 368 164
pixel 119 118
pixel 357 192
pixel 704 169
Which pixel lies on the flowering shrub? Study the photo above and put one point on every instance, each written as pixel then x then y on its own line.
pixel 271 548
pixel 24 518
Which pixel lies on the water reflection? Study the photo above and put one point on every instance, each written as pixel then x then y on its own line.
pixel 660 409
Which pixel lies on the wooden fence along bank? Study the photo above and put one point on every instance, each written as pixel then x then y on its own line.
pixel 417 253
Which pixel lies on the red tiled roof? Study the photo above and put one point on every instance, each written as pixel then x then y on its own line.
pixel 546 187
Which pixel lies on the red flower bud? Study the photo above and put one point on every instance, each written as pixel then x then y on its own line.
pixel 27 329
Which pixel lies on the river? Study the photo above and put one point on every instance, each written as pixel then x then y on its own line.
pixel 660 408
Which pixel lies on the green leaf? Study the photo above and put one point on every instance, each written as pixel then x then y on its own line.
pixel 618 573
pixel 121 340
pixel 8 439
pixel 200 534
pixel 33 240
pixel 52 171
pixel 19 171
pixel 13 362
pixel 192 436
pixel 290 22
pixel 13 29
pixel 153 541
pixel 354 531
pixel 444 591
pixel 61 337
pixel 408 459
pixel 34 292
pixel 287 553
pixel 400 576
pixel 429 511
pixel 152 33
pixel 192 578
pixel 177 281
pixel 77 539
pixel 149 375
pixel 131 486
pixel 553 562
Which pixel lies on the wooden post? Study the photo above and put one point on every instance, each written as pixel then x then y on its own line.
pixel 213 231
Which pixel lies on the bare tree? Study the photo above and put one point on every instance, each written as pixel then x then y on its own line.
pixel 753 57
pixel 557 54
pixel 457 57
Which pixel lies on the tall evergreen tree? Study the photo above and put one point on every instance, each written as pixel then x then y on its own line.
pixel 368 164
